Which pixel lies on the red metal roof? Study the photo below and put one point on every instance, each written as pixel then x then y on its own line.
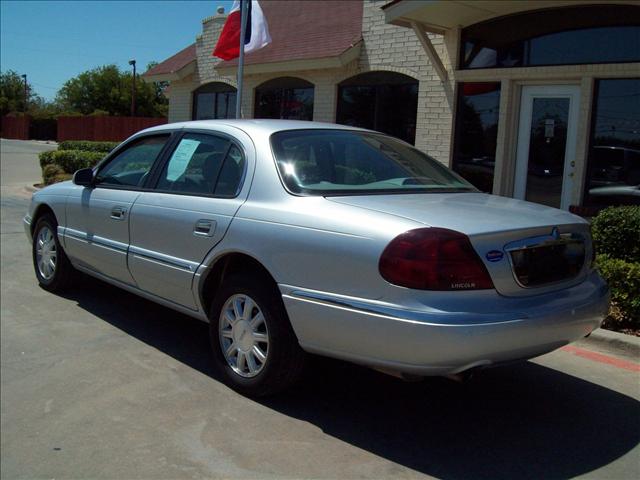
pixel 307 29
pixel 300 30
pixel 177 62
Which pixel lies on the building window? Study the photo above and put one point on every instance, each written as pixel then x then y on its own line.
pixel 561 36
pixel 382 101
pixel 285 97
pixel 613 172
pixel 214 100
pixel 476 132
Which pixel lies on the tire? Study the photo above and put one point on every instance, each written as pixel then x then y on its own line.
pixel 271 333
pixel 52 267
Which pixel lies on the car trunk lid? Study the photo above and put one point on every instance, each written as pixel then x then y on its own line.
pixel 527 248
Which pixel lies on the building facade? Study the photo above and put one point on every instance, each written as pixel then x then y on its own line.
pixel 538 100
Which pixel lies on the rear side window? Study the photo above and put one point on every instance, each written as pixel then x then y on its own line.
pixel 131 166
pixel 231 174
pixel 195 164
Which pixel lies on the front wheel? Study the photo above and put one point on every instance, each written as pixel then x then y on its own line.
pixel 52 267
pixel 253 344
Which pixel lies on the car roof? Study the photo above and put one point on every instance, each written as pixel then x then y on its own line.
pixel 253 126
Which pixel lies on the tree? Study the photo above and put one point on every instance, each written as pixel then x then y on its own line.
pixel 108 90
pixel 12 93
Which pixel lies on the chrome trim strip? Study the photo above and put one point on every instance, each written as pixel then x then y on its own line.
pixel 96 240
pixel 545 241
pixel 554 239
pixel 164 259
pixel 433 318
pixel 77 234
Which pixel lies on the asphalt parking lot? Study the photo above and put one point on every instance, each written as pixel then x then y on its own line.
pixel 99 383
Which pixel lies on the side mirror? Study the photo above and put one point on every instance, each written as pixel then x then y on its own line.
pixel 83 177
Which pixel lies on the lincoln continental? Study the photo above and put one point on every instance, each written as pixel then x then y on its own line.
pixel 294 238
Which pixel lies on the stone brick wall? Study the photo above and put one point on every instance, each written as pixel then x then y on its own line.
pixel 205 43
pixel 385 47
pixel 397 49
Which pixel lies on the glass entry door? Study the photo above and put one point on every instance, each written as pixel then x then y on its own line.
pixel 545 160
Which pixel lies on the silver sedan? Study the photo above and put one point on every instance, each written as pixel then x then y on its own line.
pixel 297 237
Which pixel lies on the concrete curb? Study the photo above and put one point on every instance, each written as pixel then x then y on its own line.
pixel 629 343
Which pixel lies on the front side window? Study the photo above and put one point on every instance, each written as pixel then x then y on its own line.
pixel 613 173
pixel 203 165
pixel 131 166
pixel 342 162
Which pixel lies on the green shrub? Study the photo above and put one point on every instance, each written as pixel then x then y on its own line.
pixel 86 146
pixel 616 233
pixel 72 160
pixel 624 280
pixel 53 173
pixel 46 158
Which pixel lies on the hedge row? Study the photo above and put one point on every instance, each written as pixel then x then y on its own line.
pixel 70 160
pixel 624 280
pixel 616 236
pixel 53 174
pixel 86 146
pixel 616 233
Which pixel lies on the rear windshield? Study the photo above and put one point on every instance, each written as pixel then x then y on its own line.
pixel 343 162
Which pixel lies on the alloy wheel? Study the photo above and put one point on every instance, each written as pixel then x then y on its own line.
pixel 46 253
pixel 244 336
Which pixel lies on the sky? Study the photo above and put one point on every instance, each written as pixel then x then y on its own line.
pixel 53 41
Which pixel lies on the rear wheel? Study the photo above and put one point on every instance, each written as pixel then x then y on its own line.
pixel 52 267
pixel 253 344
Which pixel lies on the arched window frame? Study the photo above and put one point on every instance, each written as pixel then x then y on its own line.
pixel 222 92
pixel 523 39
pixel 283 90
pixel 377 81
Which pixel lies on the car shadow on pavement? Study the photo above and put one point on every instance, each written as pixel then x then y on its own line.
pixel 518 421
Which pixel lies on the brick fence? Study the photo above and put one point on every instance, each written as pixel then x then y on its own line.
pixel 103 129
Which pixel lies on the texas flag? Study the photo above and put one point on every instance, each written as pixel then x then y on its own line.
pixel 256 33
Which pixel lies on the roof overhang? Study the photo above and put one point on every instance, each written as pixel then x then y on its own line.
pixel 438 16
pixel 338 61
pixel 185 71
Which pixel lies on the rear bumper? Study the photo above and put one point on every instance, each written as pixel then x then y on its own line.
pixel 425 342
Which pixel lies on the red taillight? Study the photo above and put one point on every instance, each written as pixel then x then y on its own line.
pixel 433 259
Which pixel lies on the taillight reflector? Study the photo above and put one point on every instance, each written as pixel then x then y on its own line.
pixel 434 259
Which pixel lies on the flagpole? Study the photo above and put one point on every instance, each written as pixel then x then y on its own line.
pixel 243 27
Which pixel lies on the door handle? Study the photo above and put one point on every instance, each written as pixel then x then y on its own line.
pixel 118 213
pixel 204 228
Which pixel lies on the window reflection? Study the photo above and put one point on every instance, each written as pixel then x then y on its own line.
pixel 286 98
pixel 561 36
pixel 214 100
pixel 547 146
pixel 382 101
pixel 476 133
pixel 613 174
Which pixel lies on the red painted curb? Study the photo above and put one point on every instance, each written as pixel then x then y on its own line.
pixel 601 358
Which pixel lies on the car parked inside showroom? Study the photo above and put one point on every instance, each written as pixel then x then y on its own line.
pixel 293 237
